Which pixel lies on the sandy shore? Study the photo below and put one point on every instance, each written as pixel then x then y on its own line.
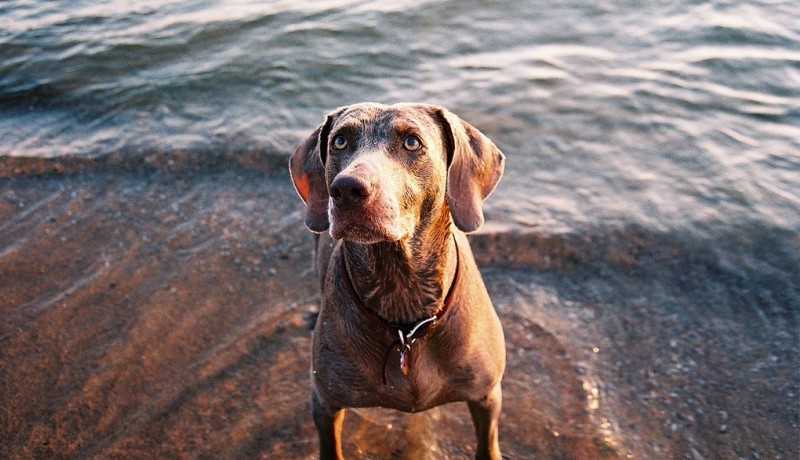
pixel 157 312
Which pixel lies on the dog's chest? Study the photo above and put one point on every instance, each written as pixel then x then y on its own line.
pixel 375 377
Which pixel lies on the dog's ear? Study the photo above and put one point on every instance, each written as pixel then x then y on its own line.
pixel 475 166
pixel 307 169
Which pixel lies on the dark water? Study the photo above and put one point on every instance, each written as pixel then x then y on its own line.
pixel 660 137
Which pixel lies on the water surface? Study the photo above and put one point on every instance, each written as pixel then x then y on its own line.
pixel 671 114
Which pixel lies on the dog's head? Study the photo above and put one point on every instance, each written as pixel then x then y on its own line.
pixel 373 172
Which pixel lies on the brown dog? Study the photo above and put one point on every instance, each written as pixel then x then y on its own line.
pixel 405 321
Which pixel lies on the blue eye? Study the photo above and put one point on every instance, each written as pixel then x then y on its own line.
pixel 412 143
pixel 339 142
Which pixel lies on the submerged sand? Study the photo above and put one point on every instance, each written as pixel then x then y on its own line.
pixel 158 312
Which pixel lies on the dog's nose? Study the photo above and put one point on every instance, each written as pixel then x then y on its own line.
pixel 349 190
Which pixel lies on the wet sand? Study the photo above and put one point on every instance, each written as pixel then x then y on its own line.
pixel 152 311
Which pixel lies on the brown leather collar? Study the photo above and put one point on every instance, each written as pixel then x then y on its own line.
pixel 407 333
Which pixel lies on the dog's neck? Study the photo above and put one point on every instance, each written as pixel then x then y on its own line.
pixel 405 281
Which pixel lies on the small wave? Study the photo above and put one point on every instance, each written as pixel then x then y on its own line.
pixel 31 97
pixel 750 53
pixel 753 267
pixel 258 159
pixel 548 54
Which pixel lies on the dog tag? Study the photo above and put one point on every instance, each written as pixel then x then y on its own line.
pixel 404 359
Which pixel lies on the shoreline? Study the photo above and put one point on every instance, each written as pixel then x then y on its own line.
pixel 141 161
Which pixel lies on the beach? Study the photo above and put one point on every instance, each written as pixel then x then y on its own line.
pixel 642 249
pixel 165 311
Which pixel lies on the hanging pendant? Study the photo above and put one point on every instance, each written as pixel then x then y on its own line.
pixel 404 352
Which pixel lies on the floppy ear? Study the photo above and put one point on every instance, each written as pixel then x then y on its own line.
pixel 306 167
pixel 475 166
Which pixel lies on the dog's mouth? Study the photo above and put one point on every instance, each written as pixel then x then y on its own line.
pixel 358 234
pixel 363 225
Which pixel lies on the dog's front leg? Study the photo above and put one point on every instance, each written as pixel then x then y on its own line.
pixel 329 427
pixel 485 415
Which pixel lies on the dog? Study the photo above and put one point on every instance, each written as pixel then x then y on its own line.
pixel 405 320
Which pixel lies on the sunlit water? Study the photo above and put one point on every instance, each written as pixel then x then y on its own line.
pixel 680 117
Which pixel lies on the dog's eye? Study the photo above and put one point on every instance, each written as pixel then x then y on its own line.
pixel 339 142
pixel 412 143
